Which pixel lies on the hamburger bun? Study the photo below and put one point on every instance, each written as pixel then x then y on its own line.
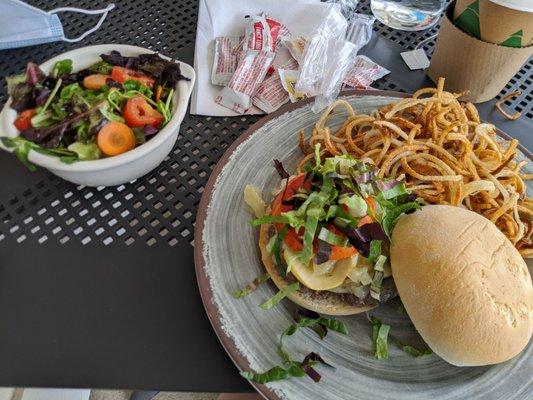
pixel 464 285
pixel 323 302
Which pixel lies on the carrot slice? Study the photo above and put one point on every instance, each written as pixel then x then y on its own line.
pixel 339 253
pixel 371 205
pixel 367 219
pixel 95 82
pixel 115 138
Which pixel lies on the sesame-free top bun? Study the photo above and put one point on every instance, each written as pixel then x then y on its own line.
pixel 464 285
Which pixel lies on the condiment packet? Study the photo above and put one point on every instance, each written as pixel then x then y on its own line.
pixel 295 46
pixel 271 94
pixel 227 53
pixel 262 32
pixel 283 32
pixel 261 41
pixel 289 78
pixel 363 72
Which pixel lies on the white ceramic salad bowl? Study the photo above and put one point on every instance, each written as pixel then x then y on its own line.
pixel 118 169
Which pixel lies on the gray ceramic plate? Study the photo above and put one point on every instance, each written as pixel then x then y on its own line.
pixel 227 258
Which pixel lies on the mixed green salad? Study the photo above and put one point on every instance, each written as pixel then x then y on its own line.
pixel 101 111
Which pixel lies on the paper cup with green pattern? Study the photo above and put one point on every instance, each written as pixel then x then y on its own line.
pixel 505 22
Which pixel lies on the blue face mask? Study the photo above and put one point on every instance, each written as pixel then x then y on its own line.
pixel 23 25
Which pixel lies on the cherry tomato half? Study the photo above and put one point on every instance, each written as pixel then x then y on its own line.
pixel 23 121
pixel 138 113
pixel 121 75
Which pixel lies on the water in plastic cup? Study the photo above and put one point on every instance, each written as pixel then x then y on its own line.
pixel 408 15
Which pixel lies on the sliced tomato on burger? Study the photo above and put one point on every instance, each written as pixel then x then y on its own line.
pixel 293 240
pixel 121 75
pixel 290 190
pixel 138 113
pixel 295 183
pixel 23 121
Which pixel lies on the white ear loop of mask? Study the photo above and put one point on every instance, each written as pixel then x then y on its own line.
pixel 103 11
pixel 426 40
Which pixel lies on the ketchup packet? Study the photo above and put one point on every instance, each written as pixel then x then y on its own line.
pixel 228 51
pixel 261 42
pixel 271 94
pixel 364 72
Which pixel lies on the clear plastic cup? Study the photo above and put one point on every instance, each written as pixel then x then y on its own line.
pixel 408 15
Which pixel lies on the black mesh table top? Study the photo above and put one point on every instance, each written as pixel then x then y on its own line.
pixel 97 285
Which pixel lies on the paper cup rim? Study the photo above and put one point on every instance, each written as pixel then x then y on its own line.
pixel 518 5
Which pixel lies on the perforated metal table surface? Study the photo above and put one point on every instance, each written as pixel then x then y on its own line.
pixel 97 285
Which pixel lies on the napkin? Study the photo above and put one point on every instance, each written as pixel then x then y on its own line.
pixel 226 18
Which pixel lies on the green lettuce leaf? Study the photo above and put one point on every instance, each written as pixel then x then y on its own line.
pixel 380 334
pixel 86 151
pixel 287 290
pixel 304 322
pixel 390 215
pixel 356 204
pixel 101 67
pixel 410 349
pixel 276 373
pixel 398 190
pixel 62 67
pixel 276 250
pixel 375 250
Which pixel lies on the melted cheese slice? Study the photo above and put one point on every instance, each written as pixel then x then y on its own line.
pixel 308 277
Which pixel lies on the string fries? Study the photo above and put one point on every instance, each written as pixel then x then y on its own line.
pixel 442 151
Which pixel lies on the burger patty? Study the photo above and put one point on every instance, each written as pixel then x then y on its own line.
pixel 388 289
pixel 388 292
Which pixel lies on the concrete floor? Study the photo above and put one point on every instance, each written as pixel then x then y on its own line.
pixel 17 394
pixel 125 395
pixel 36 394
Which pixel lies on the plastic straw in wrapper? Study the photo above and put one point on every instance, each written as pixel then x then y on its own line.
pixel 271 95
pixel 363 72
pixel 227 53
pixel 261 43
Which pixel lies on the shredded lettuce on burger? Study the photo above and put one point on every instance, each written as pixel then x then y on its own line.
pixel 337 218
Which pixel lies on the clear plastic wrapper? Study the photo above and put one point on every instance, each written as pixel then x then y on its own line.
pixel 328 55
pixel 334 75
pixel 320 50
pixel 348 7
pixel 359 29
pixel 295 46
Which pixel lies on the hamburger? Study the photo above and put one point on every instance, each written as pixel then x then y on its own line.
pixel 464 285
pixel 326 233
